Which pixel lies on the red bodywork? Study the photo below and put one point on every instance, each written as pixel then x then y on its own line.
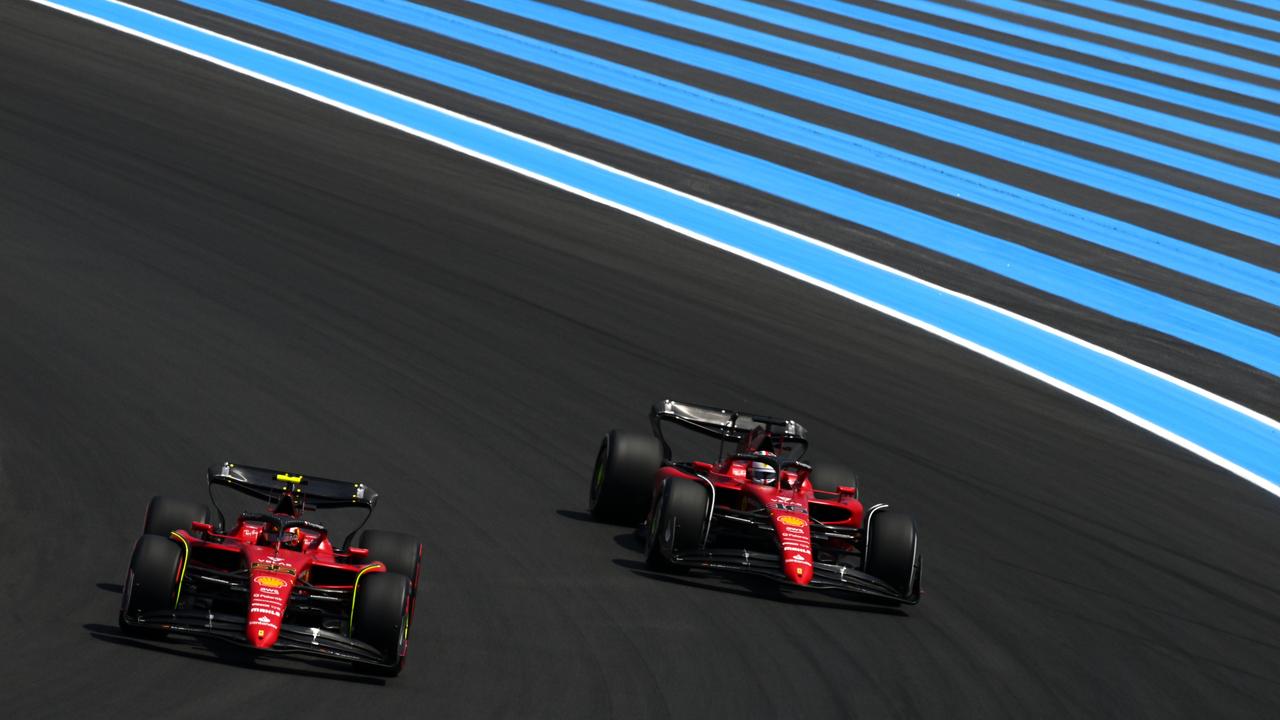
pixel 301 562
pixel 791 503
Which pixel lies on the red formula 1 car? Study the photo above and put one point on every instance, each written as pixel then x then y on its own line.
pixel 272 580
pixel 756 509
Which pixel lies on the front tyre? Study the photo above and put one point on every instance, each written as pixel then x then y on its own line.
pixel 166 514
pixel 380 618
pixel 891 552
pixel 399 552
pixel 833 477
pixel 678 523
pixel 622 479
pixel 153 579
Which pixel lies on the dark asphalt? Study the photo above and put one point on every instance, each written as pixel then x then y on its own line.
pixel 197 267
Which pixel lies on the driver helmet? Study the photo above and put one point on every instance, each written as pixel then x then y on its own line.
pixel 761 470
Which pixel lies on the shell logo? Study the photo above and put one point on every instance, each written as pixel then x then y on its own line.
pixel 792 521
pixel 268 581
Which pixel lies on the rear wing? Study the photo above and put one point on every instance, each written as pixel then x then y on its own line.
pixel 270 485
pixel 728 425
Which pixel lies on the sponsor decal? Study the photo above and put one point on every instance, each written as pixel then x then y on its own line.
pixel 799 557
pixel 264 610
pixel 267 581
pixel 268 591
pixel 791 521
pixel 272 567
pixel 286 477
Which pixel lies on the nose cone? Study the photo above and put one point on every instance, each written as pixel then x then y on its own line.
pixel 797 550
pixel 799 569
pixel 262 633
pixel 268 597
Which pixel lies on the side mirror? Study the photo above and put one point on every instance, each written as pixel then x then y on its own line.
pixel 358 552
pixel 201 527
pixel 847 491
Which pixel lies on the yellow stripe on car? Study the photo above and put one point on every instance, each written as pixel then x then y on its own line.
pixel 186 555
pixel 351 619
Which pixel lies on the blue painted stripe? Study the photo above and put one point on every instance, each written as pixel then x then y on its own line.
pixel 1010 149
pixel 1050 63
pixel 1139 242
pixel 1091 289
pixel 1103 52
pixel 1214 10
pixel 1134 37
pixel 947 92
pixel 1183 25
pixel 1124 142
pixel 1249 442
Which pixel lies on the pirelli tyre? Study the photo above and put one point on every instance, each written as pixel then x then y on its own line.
pixel 380 617
pixel 891 552
pixel 622 479
pixel 399 552
pixel 151 584
pixel 677 524
pixel 831 478
pixel 166 514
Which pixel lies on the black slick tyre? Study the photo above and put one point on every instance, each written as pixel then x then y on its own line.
pixel 166 514
pixel 622 479
pixel 678 523
pixel 399 552
pixel 380 618
pixel 891 551
pixel 152 581
pixel 832 477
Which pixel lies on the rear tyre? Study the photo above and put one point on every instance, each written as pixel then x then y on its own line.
pixel 622 480
pixel 380 617
pixel 832 477
pixel 152 581
pixel 678 523
pixel 400 553
pixel 891 551
pixel 166 514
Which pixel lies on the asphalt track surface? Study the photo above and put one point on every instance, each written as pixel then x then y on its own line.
pixel 197 267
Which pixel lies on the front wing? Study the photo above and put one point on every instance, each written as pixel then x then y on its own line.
pixel 204 584
pixel 826 576
pixel 294 639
